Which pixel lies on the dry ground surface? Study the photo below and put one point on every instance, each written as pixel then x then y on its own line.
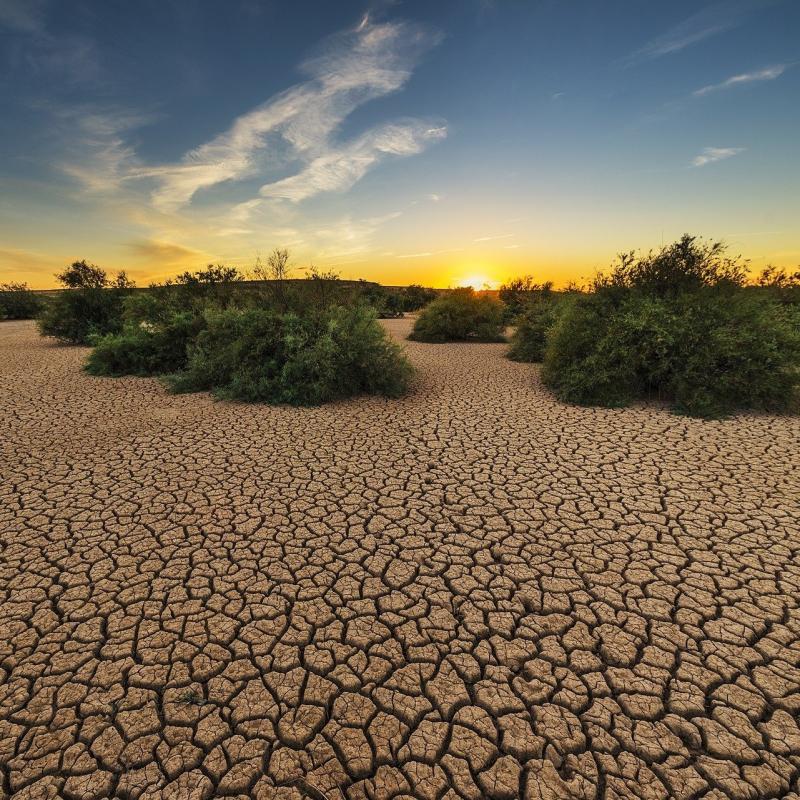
pixel 472 592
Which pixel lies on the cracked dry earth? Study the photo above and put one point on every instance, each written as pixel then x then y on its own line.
pixel 472 592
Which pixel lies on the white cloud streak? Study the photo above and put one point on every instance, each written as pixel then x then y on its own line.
pixel 710 155
pixel 767 74
pixel 708 22
pixel 341 168
pixel 359 65
pixel 493 238
pixel 99 156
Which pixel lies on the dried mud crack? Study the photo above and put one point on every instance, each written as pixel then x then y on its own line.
pixel 472 592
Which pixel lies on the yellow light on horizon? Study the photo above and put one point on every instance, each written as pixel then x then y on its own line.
pixel 478 282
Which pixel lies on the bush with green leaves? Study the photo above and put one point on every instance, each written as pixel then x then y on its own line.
pixel 684 266
pixel 533 323
pixel 518 293
pixel 91 305
pixel 324 355
pixel 784 286
pixel 415 297
pixel 18 301
pixel 461 315
pixel 145 348
pixel 215 285
pixel 388 304
pixel 702 341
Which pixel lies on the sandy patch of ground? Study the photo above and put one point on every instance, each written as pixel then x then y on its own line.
pixel 471 592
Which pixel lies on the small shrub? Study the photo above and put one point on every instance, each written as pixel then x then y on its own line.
pixel 216 285
pixel 529 339
pixel 578 365
pixel 145 349
pixel 263 355
pixel 784 286
pixel 17 301
pixel 460 316
pixel 387 304
pixel 76 315
pixel 81 275
pixel 275 290
pixel 518 293
pixel 91 305
pixel 324 289
pixel 415 297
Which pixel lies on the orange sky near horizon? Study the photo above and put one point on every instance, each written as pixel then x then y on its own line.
pixel 478 269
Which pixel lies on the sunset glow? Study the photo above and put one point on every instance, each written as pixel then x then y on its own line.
pixel 376 145
pixel 478 282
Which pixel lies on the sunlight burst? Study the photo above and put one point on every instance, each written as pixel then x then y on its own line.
pixel 478 282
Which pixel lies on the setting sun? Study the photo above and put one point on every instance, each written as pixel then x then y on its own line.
pixel 478 282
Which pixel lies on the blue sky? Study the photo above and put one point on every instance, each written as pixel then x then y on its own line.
pixel 408 141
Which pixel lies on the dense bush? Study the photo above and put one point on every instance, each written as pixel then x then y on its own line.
pixel 415 297
pixel 216 285
pixel 684 266
pixel 17 301
pixel 782 285
pixel 91 305
pixel 460 316
pixel 263 355
pixel 76 315
pixel 533 323
pixel 145 348
pixel 518 293
pixel 387 304
pixel 680 326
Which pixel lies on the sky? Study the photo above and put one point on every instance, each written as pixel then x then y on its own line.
pixel 440 142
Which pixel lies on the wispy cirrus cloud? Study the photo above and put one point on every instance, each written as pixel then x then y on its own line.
pixel 708 22
pixel 362 64
pixel 492 238
pixel 100 156
pixel 346 237
pixel 711 155
pixel 767 74
pixel 340 168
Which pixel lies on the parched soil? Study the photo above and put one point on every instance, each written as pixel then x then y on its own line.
pixel 472 592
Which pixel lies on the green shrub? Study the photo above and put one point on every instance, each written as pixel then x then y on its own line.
pixel 684 266
pixel 415 297
pixel 388 304
pixel 264 355
pixel 76 315
pixel 460 316
pixel 741 351
pixel 17 301
pixel 577 363
pixel 216 284
pixel 529 339
pixel 709 352
pixel 679 325
pixel 784 286
pixel 144 348
pixel 91 305
pixel 517 294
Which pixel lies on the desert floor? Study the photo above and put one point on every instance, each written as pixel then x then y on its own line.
pixel 471 592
